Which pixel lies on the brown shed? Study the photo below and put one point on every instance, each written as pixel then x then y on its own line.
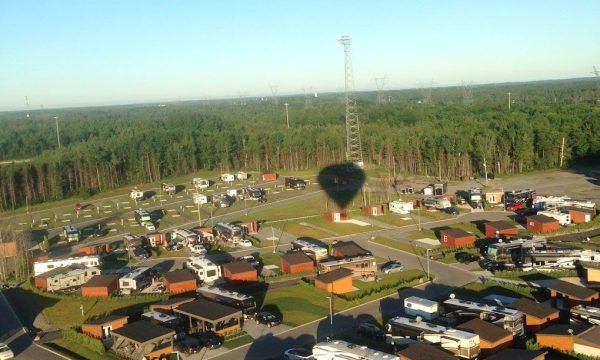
pixel 537 315
pixel 374 210
pixel 338 281
pixel 572 294
pixel 456 238
pixel 336 216
pixel 493 229
pixel 519 354
pixel 492 338
pixel 100 286
pixel 156 239
pixel 143 337
pixel 348 249
pixel 424 351
pixel 269 176
pixel 560 336
pixel 592 271
pixel 239 271
pixel 542 223
pixel 179 281
pixel 102 328
pixel 296 262
pixel 581 215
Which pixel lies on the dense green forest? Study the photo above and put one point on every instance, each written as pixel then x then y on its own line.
pixel 417 131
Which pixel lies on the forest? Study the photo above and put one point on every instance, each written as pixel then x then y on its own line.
pixel 418 131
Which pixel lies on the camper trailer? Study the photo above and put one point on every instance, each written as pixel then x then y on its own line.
pixel 200 183
pixel 228 232
pixel 318 252
pixel 401 207
pixel 205 270
pixel 71 233
pixel 228 177
pixel 222 200
pixel 135 280
pixel 564 218
pixel 200 199
pixel 360 265
pixel 185 236
pixel 242 175
pixel 416 306
pixel 170 189
pixel 40 267
pixel 136 195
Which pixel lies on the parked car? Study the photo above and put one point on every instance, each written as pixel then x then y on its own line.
pixel 450 210
pixel 211 340
pixel 5 352
pixel 391 266
pixel 369 330
pixel 149 226
pixel 140 253
pixel 198 249
pixel 491 265
pixel 265 317
pixel 245 243
pixel 298 354
pixel 465 257
pixel 249 258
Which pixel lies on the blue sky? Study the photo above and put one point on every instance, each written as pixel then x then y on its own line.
pixel 70 53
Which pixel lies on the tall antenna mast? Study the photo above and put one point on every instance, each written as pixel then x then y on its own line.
pixel 353 144
pixel 308 93
pixel 380 82
pixel 27 105
pixel 274 93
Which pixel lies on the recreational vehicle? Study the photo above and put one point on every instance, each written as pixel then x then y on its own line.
pixel 204 269
pixel 564 218
pixel 246 303
pixel 228 177
pixel 342 350
pixel 142 216
pixel 200 199
pixel 135 280
pixel 185 236
pixel 401 207
pixel 589 313
pixel 170 189
pixel 416 306
pixel 319 253
pixel 228 232
pixel 44 266
pixel 136 195
pixel 200 183
pixel 71 233
pixel 242 175
pixel 360 265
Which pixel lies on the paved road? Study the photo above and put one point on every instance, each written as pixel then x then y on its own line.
pixel 12 333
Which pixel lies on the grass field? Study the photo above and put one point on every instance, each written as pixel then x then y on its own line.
pixel 238 341
pixel 399 245
pixel 480 290
pixel 395 219
pixel 340 228
pixel 305 231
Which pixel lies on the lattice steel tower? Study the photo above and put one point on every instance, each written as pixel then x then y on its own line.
pixel 353 144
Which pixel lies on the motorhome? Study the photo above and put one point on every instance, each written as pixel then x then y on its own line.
pixel 136 195
pixel 318 252
pixel 200 199
pixel 71 233
pixel 222 200
pixel 205 270
pixel 401 207
pixel 228 232
pixel 185 236
pixel 525 197
pixel 142 216
pixel 475 197
pixel 200 183
pixel 403 330
pixel 416 306
pixel 242 175
pixel 508 319
pixel 228 177
pixel 246 303
pixel 342 350
pixel 40 267
pixel 589 313
pixel 169 189
pixel 360 265
pixel 548 259
pixel 513 250
pixel 135 280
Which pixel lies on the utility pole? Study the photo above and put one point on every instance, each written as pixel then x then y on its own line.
pixel 428 276
pixel 274 98
pixel 562 151
pixel 509 101
pixel 353 143
pixel 330 314
pixel 57 132
pixel 287 115
pixel 485 170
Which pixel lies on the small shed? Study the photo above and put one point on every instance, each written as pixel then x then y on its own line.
pixel 336 216
pixel 591 271
pixel 239 271
pixel 169 305
pixel 588 342
pixel 337 281
pixel 179 281
pixel 374 210
pixel 493 197
pixel 203 315
pixel 560 336
pixel 348 249
pixel 156 239
pixel 571 294
pixel 100 286
pixel 581 215
pixel 8 249
pixel 269 176
pixel 102 328
pixel 95 249
pixel 423 351
pixel 492 338
pixel 542 223
pixel 537 315
pixel 494 229
pixel 249 227
pixel 456 238
pixel 296 262
pixel 143 339
pixel 519 354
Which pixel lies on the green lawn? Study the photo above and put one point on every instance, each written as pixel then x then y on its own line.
pixel 388 280
pixel 76 351
pixel 238 341
pixel 63 310
pixel 341 228
pixel 480 290
pixel 399 245
pixel 535 275
pixel 314 205
pixel 305 231
pixel 395 219
pixel 270 258
pixel 159 253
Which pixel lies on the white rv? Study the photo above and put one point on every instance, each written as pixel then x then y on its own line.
pixel 136 194
pixel 342 350
pixel 185 236
pixel 40 267
pixel 232 192
pixel 318 252
pixel 205 270
pixel 563 218
pixel 200 183
pixel 242 175
pixel 416 306
pixel 71 233
pixel 135 280
pixel 228 177
pixel 200 199
pixel 401 207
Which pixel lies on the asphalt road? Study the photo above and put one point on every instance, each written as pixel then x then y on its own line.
pixel 13 334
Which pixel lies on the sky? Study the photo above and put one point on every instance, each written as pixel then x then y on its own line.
pixel 75 53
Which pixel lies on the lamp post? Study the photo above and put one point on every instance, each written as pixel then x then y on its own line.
pixel 428 276
pixel 330 314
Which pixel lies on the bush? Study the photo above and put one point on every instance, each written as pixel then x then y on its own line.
pixel 377 290
pixel 76 337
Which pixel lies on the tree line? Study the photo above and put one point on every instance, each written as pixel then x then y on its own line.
pixel 109 147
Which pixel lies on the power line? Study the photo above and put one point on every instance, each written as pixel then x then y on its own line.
pixel 274 94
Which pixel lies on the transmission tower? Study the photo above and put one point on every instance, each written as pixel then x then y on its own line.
pixel 426 91
pixel 467 93
pixel 380 82
pixel 353 144
pixel 308 93
pixel 274 94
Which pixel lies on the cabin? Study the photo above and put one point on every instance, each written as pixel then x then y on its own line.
pixel 249 227
pixel 374 210
pixel 580 215
pixel 537 316
pixel 560 336
pixel 591 271
pixel 336 216
pixel 338 281
pixel 496 229
pixel 143 339
pixel 100 286
pixel 203 315
pixel 456 238
pixel 269 176
pixel 179 281
pixel 571 294
pixel 239 271
pixel 102 328
pixel 542 223
pixel 348 249
pixel 492 338
pixel 296 262
pixel 494 197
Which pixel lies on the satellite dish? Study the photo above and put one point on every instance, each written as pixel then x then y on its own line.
pixel 418 318
pixel 452 296
pixel 570 331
